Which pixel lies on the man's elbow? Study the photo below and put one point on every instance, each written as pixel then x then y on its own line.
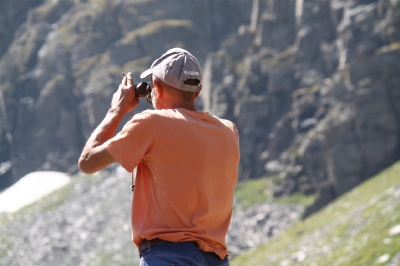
pixel 85 166
pixel 94 160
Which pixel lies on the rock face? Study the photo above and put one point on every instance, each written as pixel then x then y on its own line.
pixel 313 86
pixel 314 93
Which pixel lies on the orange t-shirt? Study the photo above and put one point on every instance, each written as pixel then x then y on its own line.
pixel 187 169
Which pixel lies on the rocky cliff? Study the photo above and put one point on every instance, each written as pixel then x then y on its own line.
pixel 313 86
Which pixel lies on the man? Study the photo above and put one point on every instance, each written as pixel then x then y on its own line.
pixel 187 163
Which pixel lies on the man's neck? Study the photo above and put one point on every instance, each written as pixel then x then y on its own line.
pixel 176 105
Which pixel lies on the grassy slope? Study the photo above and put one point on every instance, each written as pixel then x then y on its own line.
pixel 354 230
pixel 256 191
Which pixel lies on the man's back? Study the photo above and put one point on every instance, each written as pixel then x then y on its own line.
pixel 186 175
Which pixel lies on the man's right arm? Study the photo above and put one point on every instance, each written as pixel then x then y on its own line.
pixel 95 155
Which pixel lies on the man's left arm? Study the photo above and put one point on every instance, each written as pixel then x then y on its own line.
pixel 95 156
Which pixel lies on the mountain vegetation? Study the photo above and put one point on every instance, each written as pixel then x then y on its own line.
pixel 360 228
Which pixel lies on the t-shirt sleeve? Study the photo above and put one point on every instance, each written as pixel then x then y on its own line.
pixel 133 142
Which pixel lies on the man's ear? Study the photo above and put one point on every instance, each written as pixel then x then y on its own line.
pixel 157 87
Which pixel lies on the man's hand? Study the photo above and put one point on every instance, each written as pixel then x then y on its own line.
pixel 124 98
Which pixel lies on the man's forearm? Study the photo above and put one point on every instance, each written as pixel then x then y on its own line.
pixel 94 156
pixel 106 129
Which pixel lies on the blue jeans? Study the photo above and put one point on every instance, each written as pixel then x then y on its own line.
pixel 180 254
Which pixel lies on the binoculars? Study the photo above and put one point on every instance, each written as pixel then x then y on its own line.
pixel 142 90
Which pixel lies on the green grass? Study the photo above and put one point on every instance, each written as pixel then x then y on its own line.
pixel 257 191
pixel 297 198
pixel 353 230
pixel 251 192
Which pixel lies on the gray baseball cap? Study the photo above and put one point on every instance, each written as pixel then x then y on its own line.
pixel 175 67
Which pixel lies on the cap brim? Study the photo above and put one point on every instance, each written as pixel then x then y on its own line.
pixel 145 74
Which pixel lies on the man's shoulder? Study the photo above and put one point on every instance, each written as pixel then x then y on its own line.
pixel 225 122
pixel 229 125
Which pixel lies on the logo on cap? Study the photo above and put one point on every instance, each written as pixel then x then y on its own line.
pixel 192 73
